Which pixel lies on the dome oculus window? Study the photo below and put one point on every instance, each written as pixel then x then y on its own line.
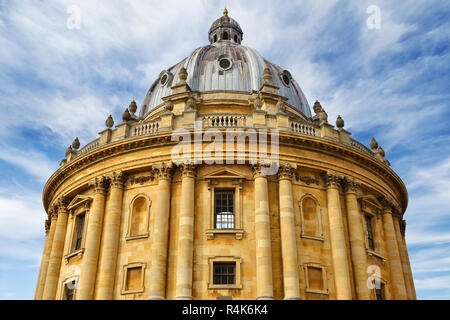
pixel 286 78
pixel 225 63
pixel 164 78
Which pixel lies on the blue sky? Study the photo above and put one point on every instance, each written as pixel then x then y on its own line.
pixel 58 83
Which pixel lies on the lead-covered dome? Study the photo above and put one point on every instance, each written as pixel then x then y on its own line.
pixel 225 65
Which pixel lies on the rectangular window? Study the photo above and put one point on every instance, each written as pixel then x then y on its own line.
pixel 379 293
pixel 224 273
pixel 70 290
pixel 224 209
pixel 369 232
pixel 79 231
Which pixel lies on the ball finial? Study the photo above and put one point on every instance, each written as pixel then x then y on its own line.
pixel 339 122
pixel 225 12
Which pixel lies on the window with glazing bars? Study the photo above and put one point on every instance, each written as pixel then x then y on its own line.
pixel 224 209
pixel 70 290
pixel 224 273
pixel 79 231
pixel 379 292
pixel 370 233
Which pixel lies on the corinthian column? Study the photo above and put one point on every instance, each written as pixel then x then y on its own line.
pixel 287 230
pixel 56 254
pixel 403 258
pixel 357 245
pixel 92 245
pixel 264 284
pixel 50 226
pixel 337 239
pixel 395 265
pixel 110 246
pixel 186 234
pixel 160 234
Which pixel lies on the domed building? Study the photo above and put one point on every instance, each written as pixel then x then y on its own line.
pixel 225 186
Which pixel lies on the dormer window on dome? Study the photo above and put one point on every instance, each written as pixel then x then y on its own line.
pixel 225 29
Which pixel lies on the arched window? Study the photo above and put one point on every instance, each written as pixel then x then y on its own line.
pixel 225 36
pixel 310 218
pixel 235 38
pixel 139 217
pixel 215 38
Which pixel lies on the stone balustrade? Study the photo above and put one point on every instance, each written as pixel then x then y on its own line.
pixel 303 128
pixel 145 128
pixel 89 147
pixel 224 121
pixel 359 146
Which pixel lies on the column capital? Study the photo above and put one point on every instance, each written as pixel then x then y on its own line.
pixel 259 168
pixel 387 204
pixel 53 212
pixel 163 170
pixel 188 170
pixel 117 179
pixel 286 171
pixel 332 180
pixel 349 185
pixel 62 204
pixel 99 184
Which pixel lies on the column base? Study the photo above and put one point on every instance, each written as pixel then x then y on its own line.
pixel 292 298
pixel 265 298
pixel 156 298
pixel 181 297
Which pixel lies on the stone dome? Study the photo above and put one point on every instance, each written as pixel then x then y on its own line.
pixel 225 65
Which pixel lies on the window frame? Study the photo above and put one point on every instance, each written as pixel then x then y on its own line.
pixel 225 259
pixel 78 208
pixel 225 213
pixel 64 291
pixel 324 268
pixel 133 265
pixel 228 180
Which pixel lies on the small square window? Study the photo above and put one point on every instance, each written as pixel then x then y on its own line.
pixel 224 273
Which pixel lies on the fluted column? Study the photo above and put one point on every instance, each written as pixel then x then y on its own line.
pixel 186 234
pixel 395 265
pixel 92 244
pixel 264 281
pixel 357 243
pixel 160 234
pixel 408 264
pixel 337 239
pixel 402 251
pixel 54 264
pixel 111 239
pixel 287 230
pixel 50 226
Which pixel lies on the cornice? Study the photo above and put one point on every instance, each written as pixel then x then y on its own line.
pixel 164 139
